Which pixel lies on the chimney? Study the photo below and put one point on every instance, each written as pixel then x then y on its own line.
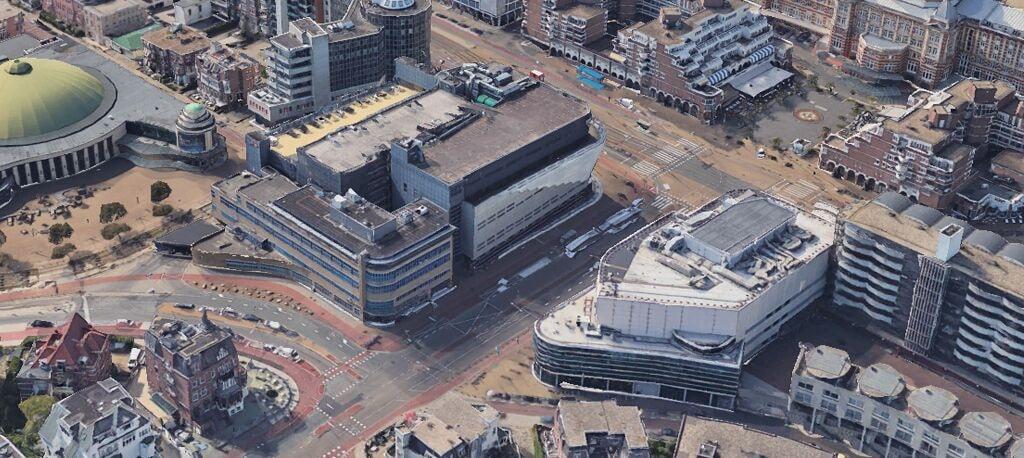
pixel 950 238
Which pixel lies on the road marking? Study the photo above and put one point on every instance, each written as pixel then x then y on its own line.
pixel 646 168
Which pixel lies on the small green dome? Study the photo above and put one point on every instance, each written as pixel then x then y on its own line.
pixel 194 109
pixel 40 96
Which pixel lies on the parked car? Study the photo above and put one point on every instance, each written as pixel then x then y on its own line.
pixel 250 317
pixel 185 306
pixel 41 324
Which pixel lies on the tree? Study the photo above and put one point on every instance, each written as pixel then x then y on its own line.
pixel 11 417
pixel 825 131
pixel 113 229
pixel 35 409
pixel 60 251
pixel 162 210
pixel 112 211
pixel 59 232
pixel 777 143
pixel 159 191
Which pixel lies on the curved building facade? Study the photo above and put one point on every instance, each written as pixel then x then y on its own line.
pixel 405 28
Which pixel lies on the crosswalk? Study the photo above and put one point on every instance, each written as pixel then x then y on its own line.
pixel 353 363
pixel 646 168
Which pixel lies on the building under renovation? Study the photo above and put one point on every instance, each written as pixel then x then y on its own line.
pixel 685 302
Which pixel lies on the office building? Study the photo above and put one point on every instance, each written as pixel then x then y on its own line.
pixel 927 149
pixel 12 21
pixel 701 437
pixel 171 53
pixel 101 21
pixel 72 357
pixel 934 285
pixel 99 421
pixel 878 412
pixel 449 427
pixel 311 65
pixel 194 369
pixel 495 12
pixel 226 77
pixel 924 41
pixel 685 302
pixel 376 265
pixel 69 109
pixel 275 15
pixel 598 429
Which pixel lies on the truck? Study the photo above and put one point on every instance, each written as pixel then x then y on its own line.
pixel 134 358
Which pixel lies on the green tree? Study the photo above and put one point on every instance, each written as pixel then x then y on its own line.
pixel 59 232
pixel 162 210
pixel 113 229
pixel 159 191
pixel 11 417
pixel 62 250
pixel 112 211
pixel 777 143
pixel 35 409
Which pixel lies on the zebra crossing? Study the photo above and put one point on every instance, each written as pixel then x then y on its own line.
pixel 646 168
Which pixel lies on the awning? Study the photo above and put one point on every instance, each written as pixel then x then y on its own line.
pixel 762 54
pixel 718 76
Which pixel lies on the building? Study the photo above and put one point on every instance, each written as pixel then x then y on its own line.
pixel 188 12
pixel 72 357
pixel 312 65
pixel 101 21
pixel 276 15
pixel 449 427
pixel 171 54
pixel 721 283
pixel 494 12
pixel 876 411
pixel 195 370
pixel 374 264
pixel 69 109
pixel 1009 165
pixel 927 149
pixel 8 450
pixel 99 421
pixel 68 12
pixel 701 437
pixel 934 285
pixel 226 77
pixel 12 21
pixel 498 151
pixel 598 429
pixel 924 41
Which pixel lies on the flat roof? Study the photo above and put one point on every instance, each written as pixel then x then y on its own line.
pixel 132 41
pixel 183 41
pixel 113 6
pixel 757 81
pixel 8 9
pixel 454 413
pixel 580 419
pixel 978 189
pixel 827 363
pixel 585 12
pixel 932 403
pixel 985 429
pixel 313 134
pixel 880 380
pixel 742 223
pixel 135 99
pixel 1013 160
pixel 999 269
pixel 190 234
pixel 702 437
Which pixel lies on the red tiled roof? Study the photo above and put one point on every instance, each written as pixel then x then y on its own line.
pixel 70 342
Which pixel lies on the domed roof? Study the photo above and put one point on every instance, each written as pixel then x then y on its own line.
pixel 43 95
pixel 194 110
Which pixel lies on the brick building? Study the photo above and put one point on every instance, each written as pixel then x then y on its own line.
pixel 195 369
pixel 926 150
pixel 933 38
pixel 72 357
pixel 171 53
pixel 225 77
pixel 111 19
pixel 12 21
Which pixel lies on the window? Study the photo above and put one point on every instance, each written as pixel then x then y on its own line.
pixel 831 394
pixel 828 405
pixel 805 385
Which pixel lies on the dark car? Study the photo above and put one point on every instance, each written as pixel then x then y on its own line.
pixel 185 306
pixel 41 324
pixel 250 317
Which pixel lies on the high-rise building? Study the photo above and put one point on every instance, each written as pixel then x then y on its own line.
pixel 312 65
pixel 685 302
pixel 374 264
pixel 926 150
pixel 938 286
pixel 194 369
pixel 878 412
pixel 923 40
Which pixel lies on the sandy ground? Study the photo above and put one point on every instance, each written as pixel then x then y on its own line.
pixel 127 185
pixel 511 375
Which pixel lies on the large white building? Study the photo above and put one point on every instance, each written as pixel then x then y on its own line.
pixel 97 422
pixel 682 304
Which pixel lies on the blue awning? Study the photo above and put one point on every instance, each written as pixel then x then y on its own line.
pixel 718 76
pixel 762 53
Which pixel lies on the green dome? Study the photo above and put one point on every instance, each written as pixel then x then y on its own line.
pixel 40 96
pixel 195 109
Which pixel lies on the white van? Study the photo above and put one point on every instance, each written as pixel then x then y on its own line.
pixel 134 358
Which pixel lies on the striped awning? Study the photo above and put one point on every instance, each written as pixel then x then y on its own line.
pixel 762 53
pixel 718 76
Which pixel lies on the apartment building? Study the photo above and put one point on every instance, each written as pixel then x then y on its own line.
pixel 226 77
pixel 722 281
pixel 101 420
pixel 171 53
pixel 925 41
pixel 74 356
pixel 12 21
pixel 68 12
pixel 598 429
pixel 935 285
pixel 111 19
pixel 878 412
pixel 701 437
pixel 927 149
pixel 194 369
pixel 495 12
pixel 450 427
pixel 314 65
pixel 376 265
